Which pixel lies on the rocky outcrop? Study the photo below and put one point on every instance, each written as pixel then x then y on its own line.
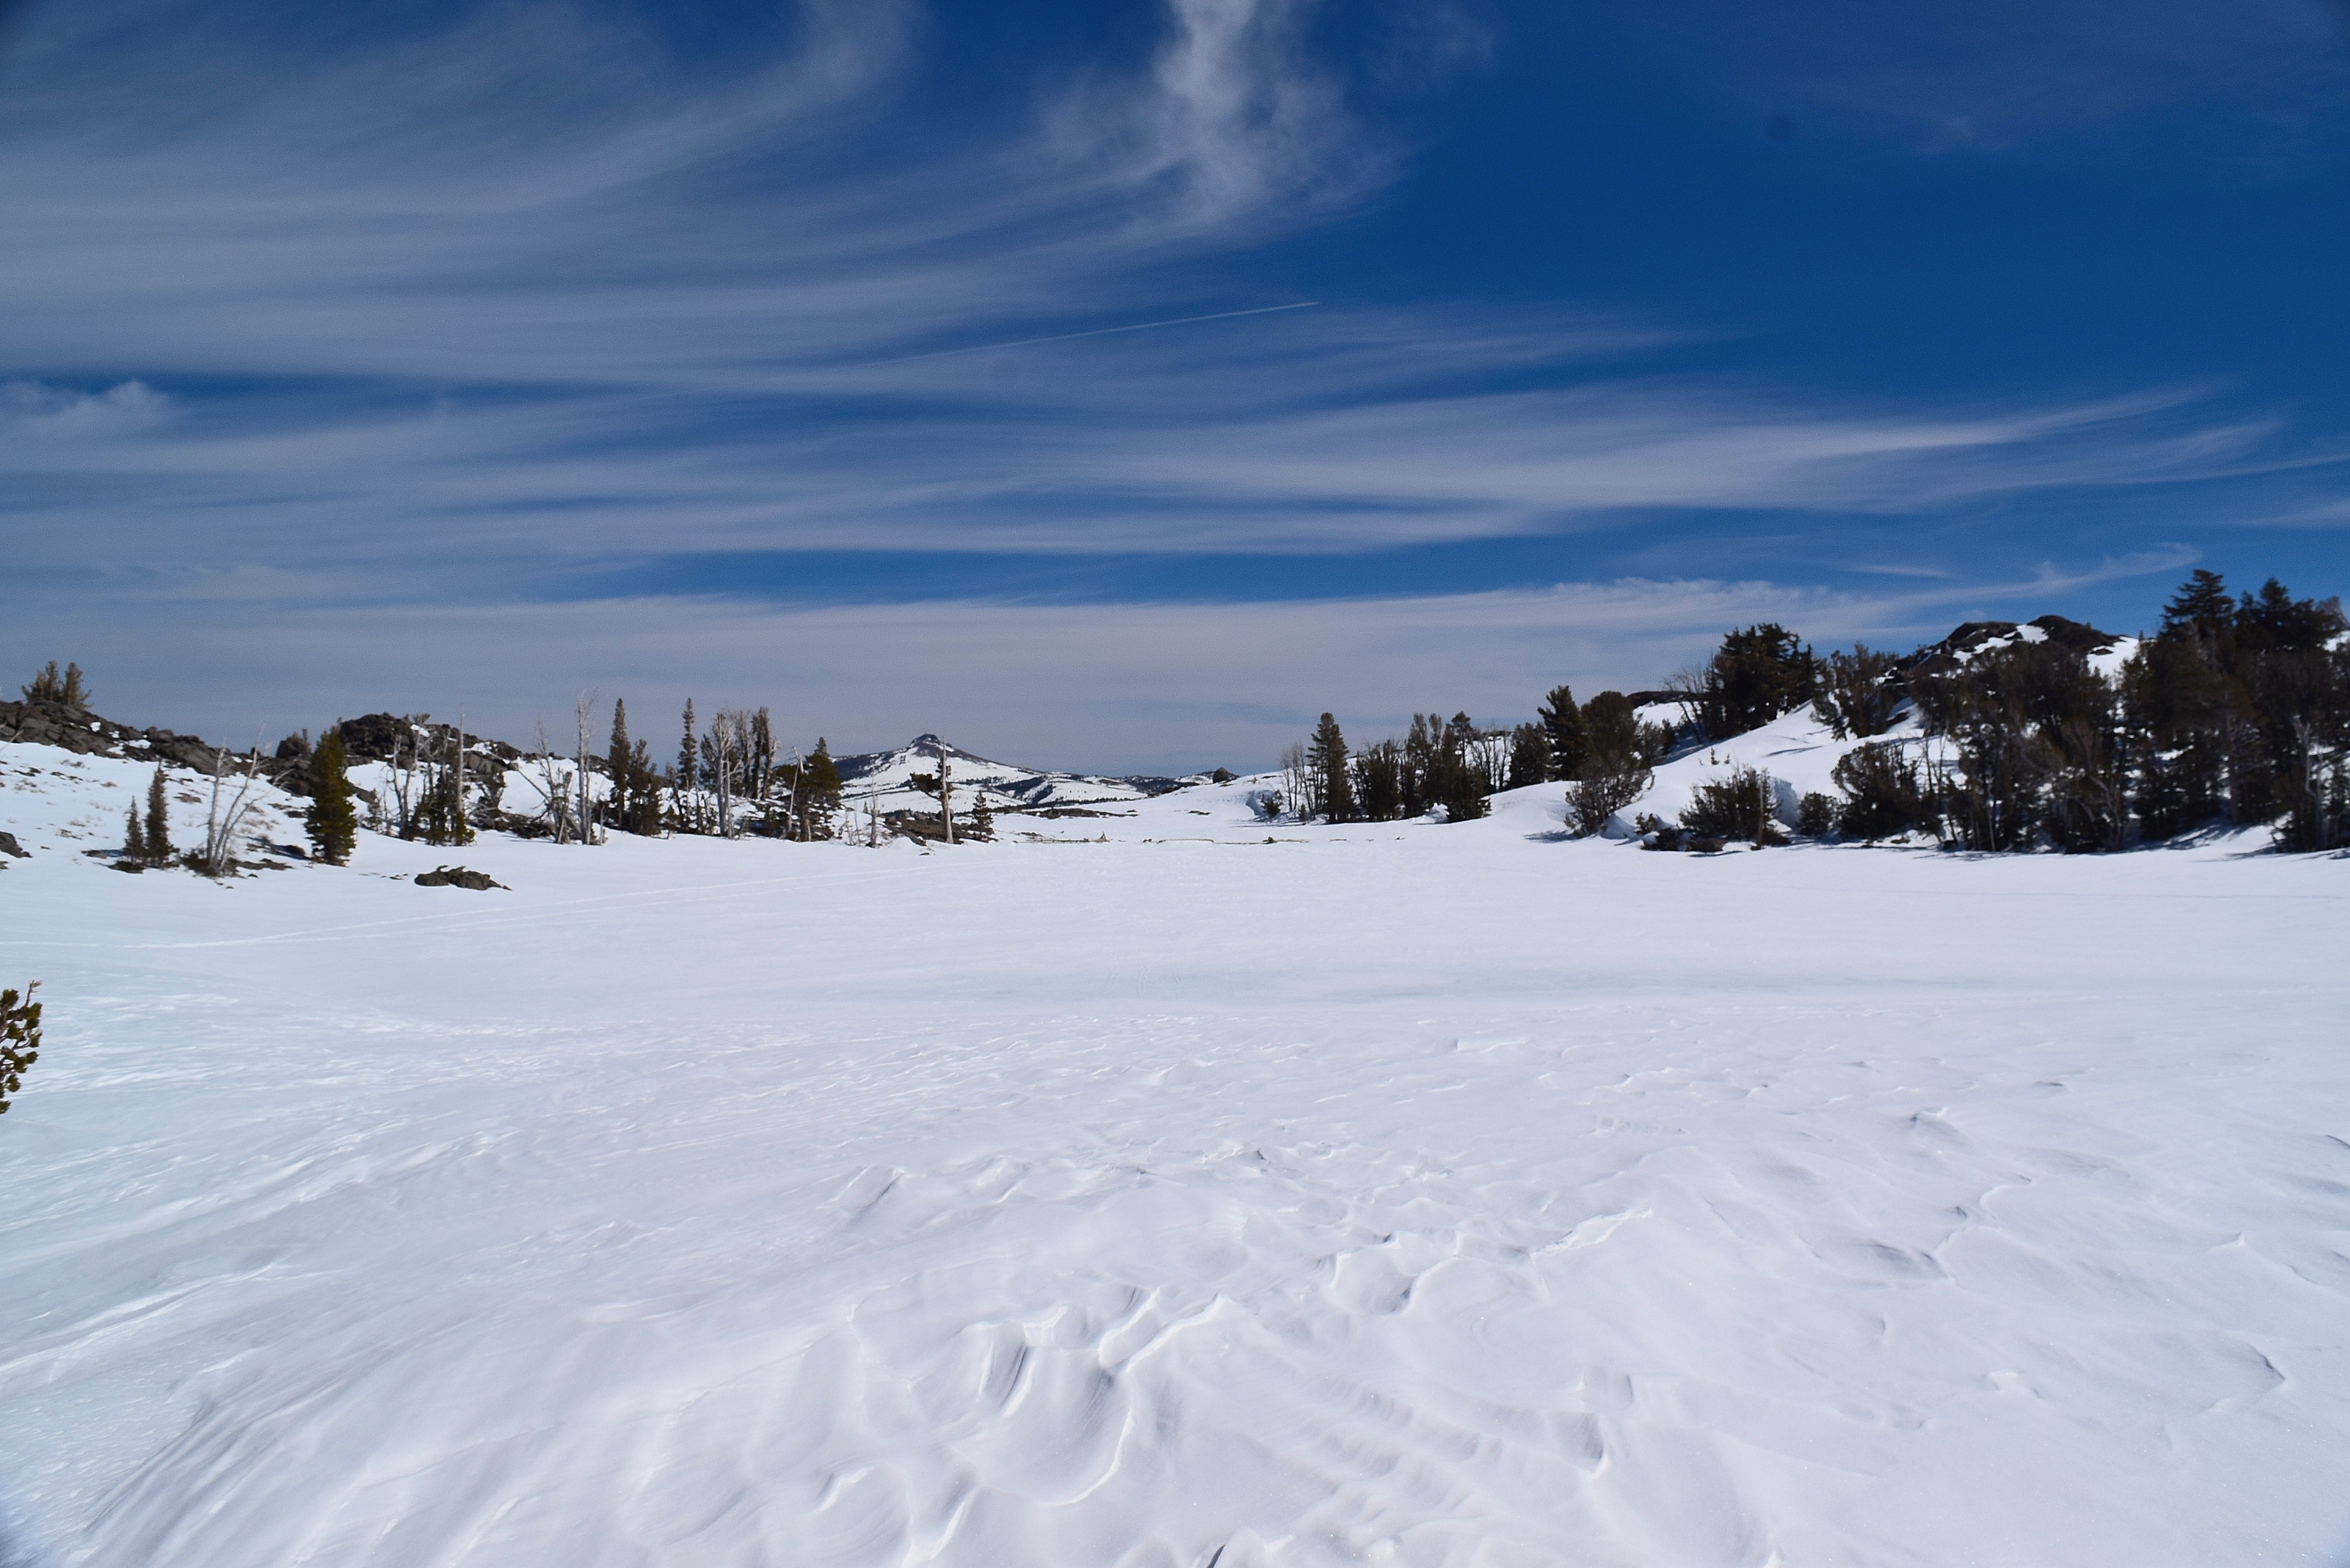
pixel 1974 636
pixel 77 729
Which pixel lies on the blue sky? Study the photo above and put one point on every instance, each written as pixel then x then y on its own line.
pixel 1119 385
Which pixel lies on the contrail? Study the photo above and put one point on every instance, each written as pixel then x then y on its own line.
pixel 1099 332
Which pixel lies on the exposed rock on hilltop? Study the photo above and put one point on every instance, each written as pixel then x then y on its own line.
pixel 74 728
pixel 1976 637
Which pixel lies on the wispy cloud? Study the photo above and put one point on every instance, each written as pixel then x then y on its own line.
pixel 372 326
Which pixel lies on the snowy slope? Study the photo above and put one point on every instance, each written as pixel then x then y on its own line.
pixel 1401 1193
pixel 882 777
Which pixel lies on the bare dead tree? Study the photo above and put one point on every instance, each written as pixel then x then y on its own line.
pixel 221 825
pixel 946 791
pixel 584 710
pixel 554 789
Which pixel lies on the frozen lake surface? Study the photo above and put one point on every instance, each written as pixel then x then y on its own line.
pixel 1400 1195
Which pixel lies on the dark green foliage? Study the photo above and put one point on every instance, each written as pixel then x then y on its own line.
pixel 1859 692
pixel 2276 622
pixel 1883 797
pixel 1738 806
pixel 619 758
pixel 2238 712
pixel 1616 741
pixel 1816 814
pixel 1592 799
pixel 983 819
pixel 817 789
pixel 1459 785
pixel 1379 782
pixel 1439 764
pixel 689 768
pixel 332 823
pixel 440 816
pixel 20 1038
pixel 49 686
pixel 634 805
pixel 1326 757
pixel 2040 748
pixel 134 839
pixel 1529 756
pixel 2199 608
pixel 1756 675
pixel 159 818
pixel 1563 730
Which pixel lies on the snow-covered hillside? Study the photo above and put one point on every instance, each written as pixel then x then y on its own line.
pixel 1188 1191
pixel 881 780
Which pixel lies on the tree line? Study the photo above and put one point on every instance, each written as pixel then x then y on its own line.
pixel 2235 712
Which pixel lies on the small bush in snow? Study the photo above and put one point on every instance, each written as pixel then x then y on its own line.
pixel 1883 797
pixel 1590 802
pixel 1816 814
pixel 1736 808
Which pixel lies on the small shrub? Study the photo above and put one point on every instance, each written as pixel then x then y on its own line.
pixel 1590 802
pixel 1736 808
pixel 1883 797
pixel 20 1038
pixel 1816 814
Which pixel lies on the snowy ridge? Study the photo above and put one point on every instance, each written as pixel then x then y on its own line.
pixel 883 779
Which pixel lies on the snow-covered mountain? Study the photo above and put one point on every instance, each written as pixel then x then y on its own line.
pixel 884 779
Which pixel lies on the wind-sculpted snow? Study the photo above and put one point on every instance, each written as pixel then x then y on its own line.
pixel 1419 1195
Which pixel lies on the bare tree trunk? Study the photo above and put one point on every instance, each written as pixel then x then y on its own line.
pixel 460 774
pixel 220 830
pixel 584 709
pixel 946 792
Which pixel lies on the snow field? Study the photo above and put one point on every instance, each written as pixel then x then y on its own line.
pixel 1390 1194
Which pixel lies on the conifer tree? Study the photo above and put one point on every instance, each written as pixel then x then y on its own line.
pixel 2200 608
pixel 1562 727
pixel 331 823
pixel 817 790
pixel 1529 756
pixel 1379 782
pixel 48 686
pixel 1325 758
pixel 20 1038
pixel 689 767
pixel 159 818
pixel 983 819
pixel 619 763
pixel 134 837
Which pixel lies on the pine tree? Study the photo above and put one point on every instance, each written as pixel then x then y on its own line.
pixel 1756 675
pixel 1562 727
pixel 134 837
pixel 818 791
pixel 331 823
pixel 1462 785
pixel 2201 605
pixel 982 820
pixel 1325 758
pixel 1529 756
pixel 617 762
pixel 159 818
pixel 49 686
pixel 689 768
